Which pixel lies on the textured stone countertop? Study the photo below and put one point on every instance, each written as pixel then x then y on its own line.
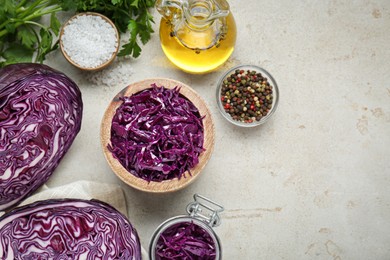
pixel 311 183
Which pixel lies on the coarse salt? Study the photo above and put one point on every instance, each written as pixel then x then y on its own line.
pixel 89 40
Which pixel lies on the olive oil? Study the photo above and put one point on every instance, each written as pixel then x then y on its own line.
pixel 195 60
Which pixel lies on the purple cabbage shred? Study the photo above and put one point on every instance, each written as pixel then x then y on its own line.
pixel 157 134
pixel 185 241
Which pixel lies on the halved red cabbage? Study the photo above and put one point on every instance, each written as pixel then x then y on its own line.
pixel 40 116
pixel 68 229
pixel 157 134
pixel 185 241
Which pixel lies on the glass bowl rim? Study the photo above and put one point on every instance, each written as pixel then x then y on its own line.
pixel 275 93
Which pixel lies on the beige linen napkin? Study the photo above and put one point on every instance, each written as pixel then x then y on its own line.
pixel 109 193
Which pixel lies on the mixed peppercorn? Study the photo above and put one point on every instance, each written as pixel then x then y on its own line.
pixel 246 95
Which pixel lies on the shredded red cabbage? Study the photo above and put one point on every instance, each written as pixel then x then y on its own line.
pixel 185 241
pixel 157 134
pixel 68 229
pixel 40 116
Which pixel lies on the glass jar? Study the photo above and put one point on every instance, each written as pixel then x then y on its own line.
pixel 191 233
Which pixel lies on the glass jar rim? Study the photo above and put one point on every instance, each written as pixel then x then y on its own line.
pixel 183 219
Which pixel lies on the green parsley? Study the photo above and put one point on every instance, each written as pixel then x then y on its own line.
pixel 23 38
pixel 128 15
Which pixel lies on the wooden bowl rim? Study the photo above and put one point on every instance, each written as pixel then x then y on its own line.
pixel 101 66
pixel 168 185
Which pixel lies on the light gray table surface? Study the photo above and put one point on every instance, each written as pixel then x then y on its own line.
pixel 313 182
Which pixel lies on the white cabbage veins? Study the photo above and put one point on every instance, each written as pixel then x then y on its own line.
pixel 40 115
pixel 68 229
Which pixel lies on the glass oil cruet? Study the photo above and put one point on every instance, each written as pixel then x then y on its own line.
pixel 196 35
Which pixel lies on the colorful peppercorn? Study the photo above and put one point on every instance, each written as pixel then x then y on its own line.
pixel 246 95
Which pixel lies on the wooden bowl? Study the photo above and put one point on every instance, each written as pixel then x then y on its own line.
pixel 101 66
pixel 167 185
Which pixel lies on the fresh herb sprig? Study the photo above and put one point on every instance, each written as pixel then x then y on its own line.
pixel 22 36
pixel 128 15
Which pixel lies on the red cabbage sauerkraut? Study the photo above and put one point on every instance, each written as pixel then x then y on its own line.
pixel 185 241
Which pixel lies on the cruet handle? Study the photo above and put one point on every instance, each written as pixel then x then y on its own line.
pixel 222 9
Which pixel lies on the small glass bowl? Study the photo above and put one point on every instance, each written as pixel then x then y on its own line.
pixel 275 93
